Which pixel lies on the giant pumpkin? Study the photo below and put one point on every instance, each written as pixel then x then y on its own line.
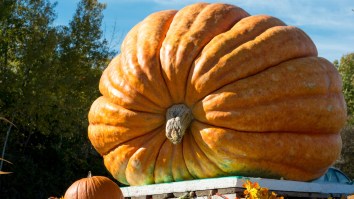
pixel 211 91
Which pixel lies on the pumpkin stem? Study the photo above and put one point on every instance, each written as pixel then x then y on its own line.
pixel 178 118
pixel 89 174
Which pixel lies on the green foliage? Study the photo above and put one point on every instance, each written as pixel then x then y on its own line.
pixel 48 80
pixel 345 163
pixel 346 70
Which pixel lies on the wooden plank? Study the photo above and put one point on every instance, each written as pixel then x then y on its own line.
pixel 237 182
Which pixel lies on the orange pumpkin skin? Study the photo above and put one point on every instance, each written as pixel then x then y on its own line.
pixel 261 102
pixel 94 187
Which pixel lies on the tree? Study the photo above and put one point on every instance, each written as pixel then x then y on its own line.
pixel 49 78
pixel 345 163
pixel 346 70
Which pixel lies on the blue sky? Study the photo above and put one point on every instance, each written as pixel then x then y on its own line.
pixel 330 23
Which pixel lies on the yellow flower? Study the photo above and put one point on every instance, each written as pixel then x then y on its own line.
pixel 255 191
pixel 256 185
pixel 247 185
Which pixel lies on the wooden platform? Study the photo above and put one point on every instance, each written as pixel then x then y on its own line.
pixel 230 187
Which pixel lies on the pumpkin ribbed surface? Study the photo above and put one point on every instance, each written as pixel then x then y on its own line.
pixel 260 101
pixel 94 187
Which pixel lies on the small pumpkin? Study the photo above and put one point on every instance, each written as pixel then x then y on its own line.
pixel 211 91
pixel 94 187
